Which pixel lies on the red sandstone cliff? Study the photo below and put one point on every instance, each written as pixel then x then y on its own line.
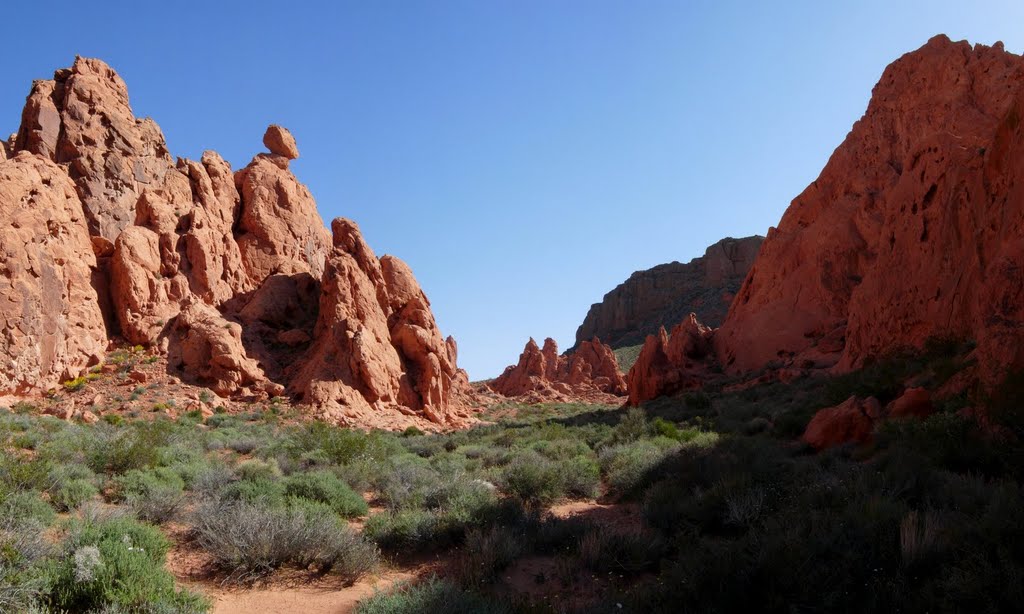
pixel 913 229
pixel 232 274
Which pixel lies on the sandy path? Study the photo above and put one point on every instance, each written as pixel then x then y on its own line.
pixel 300 599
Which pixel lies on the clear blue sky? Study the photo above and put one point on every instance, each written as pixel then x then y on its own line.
pixel 523 156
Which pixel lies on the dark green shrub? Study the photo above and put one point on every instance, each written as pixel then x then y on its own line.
pixel 432 595
pixel 326 488
pixel 621 551
pixel 581 477
pixel 533 479
pixel 68 495
pixel 486 553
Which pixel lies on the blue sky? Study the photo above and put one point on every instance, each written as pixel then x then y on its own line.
pixel 523 156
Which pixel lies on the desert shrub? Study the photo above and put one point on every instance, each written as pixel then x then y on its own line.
pixel 135 447
pixel 629 466
pixel 432 595
pixel 621 551
pixel 140 482
pixel 486 553
pixel 257 469
pixel 68 495
pixel 18 473
pixel 560 449
pixel 581 477
pixel 76 384
pixel 404 529
pixel 532 479
pixel 211 480
pixel 22 548
pixel 155 495
pixel 115 562
pixel 326 488
pixel 631 427
pixel 249 540
pixel 25 506
pixel 407 483
pixel 260 491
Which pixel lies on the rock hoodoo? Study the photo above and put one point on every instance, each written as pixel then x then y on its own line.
pixel 591 372
pixel 671 363
pixel 232 274
pixel 913 229
pixel 665 294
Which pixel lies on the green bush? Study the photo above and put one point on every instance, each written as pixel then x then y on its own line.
pixel 68 495
pixel 25 506
pixel 116 562
pixel 404 529
pixel 533 479
pixel 581 477
pixel 432 595
pixel 629 466
pixel 326 488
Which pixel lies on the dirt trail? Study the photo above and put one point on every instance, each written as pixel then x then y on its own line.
pixel 324 599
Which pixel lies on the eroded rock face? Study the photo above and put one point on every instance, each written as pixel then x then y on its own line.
pixel 376 345
pixel 665 294
pixel 913 230
pixel 82 119
pixel 590 373
pixel 227 272
pixel 669 364
pixel 279 230
pixel 52 328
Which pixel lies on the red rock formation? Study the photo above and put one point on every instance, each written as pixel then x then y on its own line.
pixel 227 272
pixel 669 364
pixel 50 321
pixel 376 345
pixel 852 421
pixel 663 295
pixel 82 119
pixel 589 373
pixel 913 230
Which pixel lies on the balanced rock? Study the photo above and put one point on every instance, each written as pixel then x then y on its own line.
pixel 227 272
pixel 280 142
pixel 912 231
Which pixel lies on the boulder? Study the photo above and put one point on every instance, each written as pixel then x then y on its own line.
pixel 52 327
pixel 280 142
pixel 913 403
pixel 208 349
pixel 852 421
